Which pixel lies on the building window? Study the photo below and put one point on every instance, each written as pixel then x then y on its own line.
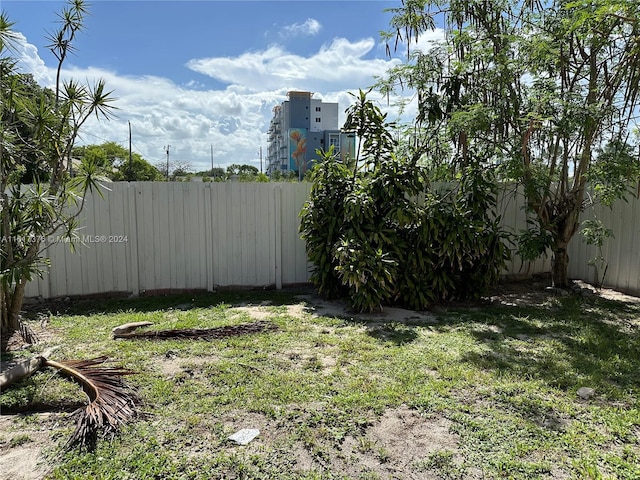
pixel 318 109
pixel 318 119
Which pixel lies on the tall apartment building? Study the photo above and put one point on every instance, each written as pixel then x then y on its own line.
pixel 301 125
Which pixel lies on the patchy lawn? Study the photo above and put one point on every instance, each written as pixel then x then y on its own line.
pixel 486 390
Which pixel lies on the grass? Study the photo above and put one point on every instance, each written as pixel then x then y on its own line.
pixel 480 392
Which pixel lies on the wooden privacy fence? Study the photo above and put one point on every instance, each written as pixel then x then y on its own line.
pixel 159 237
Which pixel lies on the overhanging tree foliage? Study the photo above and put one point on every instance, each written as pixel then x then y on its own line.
pixel 537 88
pixel 38 131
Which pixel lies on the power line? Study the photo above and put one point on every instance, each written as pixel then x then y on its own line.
pixel 104 140
pixel 144 156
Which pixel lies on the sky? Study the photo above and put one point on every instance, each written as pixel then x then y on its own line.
pixel 203 76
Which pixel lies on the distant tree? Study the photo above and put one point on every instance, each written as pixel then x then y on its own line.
pixel 181 169
pixel 214 173
pixel 291 176
pixel 276 176
pixel 38 131
pixel 177 168
pixel 138 171
pixel 31 168
pixel 236 169
pixel 245 173
pixel 162 168
pixel 113 159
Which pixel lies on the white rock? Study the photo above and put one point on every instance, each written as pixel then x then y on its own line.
pixel 585 393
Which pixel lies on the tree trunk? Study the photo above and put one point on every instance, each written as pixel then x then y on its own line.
pixel 11 305
pixel 564 232
pixel 20 371
pixel 560 268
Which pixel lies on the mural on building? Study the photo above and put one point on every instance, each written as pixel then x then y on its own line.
pixel 297 149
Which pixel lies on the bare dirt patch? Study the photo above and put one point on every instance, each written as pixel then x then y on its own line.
pixel 171 365
pixel 263 312
pixel 256 312
pixel 22 445
pixel 399 445
pixel 318 360
pixel 318 307
pixel 606 293
pixel 532 291
pixel 538 291
pixel 24 462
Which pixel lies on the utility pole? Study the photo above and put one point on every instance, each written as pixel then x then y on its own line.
pixel 260 158
pixel 130 162
pixel 167 151
pixel 212 160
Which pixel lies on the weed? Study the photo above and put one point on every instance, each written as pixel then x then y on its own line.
pixel 383 455
pixel 18 440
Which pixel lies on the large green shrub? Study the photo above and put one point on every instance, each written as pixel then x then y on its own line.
pixel 379 234
pixel 322 223
pixel 374 241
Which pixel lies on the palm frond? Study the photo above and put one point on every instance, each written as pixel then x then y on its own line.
pixel 203 333
pixel 112 403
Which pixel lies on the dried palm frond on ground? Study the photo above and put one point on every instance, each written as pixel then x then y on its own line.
pixel 112 403
pixel 200 333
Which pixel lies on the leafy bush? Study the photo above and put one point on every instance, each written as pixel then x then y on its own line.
pixel 382 235
pixel 322 223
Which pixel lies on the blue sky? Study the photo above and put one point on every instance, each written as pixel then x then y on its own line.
pixel 197 74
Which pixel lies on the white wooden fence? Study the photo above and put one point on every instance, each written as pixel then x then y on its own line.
pixel 162 237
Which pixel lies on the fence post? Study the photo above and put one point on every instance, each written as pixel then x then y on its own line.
pixel 209 242
pixel 278 232
pixel 132 238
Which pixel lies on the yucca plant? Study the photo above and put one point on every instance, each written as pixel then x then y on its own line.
pixel 41 193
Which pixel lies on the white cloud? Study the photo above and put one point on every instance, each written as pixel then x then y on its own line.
pixel 29 60
pixel 310 27
pixel 339 65
pixel 233 120
pixel 428 40
pixel 425 42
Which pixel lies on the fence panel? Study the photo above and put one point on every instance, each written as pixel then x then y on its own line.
pixel 156 237
pixel 621 252
pixel 294 254
pixel 511 208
